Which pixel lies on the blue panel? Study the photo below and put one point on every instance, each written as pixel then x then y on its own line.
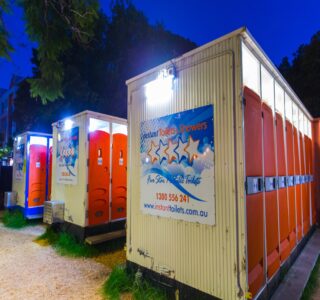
pixel 33 212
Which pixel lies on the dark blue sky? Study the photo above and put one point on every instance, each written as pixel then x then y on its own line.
pixel 279 26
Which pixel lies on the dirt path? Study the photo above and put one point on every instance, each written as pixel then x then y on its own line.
pixel 29 271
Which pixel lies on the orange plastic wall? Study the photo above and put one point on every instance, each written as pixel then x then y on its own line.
pixel 119 176
pixel 271 205
pixel 99 177
pixel 37 175
pixel 291 189
pixel 282 193
pixel 50 173
pixel 298 186
pixel 254 202
pixel 316 169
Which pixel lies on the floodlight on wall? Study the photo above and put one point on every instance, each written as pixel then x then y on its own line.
pixel 160 90
pixel 68 124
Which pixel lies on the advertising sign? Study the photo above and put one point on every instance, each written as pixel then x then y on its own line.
pixel 177 166
pixel 68 156
pixel 19 161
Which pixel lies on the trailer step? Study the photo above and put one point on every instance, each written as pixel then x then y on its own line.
pixel 101 238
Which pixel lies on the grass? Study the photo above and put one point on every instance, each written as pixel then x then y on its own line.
pixel 65 244
pixel 121 282
pixel 15 219
pixel 313 282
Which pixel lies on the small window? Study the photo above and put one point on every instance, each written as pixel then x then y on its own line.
pixel 251 70
pixel 279 95
pixel 267 87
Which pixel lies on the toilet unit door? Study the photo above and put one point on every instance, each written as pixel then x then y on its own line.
pixel 254 193
pixel 37 175
pixel 99 177
pixel 119 176
pixel 49 173
pixel 271 203
pixel 291 188
pixel 297 183
pixel 282 190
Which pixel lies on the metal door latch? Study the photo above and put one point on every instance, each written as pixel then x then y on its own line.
pixel 271 183
pixel 254 185
pixel 290 180
pixel 282 182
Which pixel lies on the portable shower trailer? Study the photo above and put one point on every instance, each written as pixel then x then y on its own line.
pixel 220 172
pixel 31 172
pixel 89 172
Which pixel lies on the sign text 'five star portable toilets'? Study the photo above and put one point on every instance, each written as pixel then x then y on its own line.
pixel 220 172
pixel 31 172
pixel 89 162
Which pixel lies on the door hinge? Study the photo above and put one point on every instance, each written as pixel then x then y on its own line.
pixel 87 188
pixel 87 162
pixel 111 180
pixel 88 136
pixel 244 101
pixel 262 114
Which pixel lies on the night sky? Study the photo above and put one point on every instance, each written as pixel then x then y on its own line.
pixel 279 26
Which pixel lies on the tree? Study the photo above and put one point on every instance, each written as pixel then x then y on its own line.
pixel 5 46
pixel 54 25
pixel 123 45
pixel 303 73
pixel 134 46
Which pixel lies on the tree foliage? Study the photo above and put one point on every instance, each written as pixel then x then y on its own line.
pixel 123 45
pixel 5 46
pixel 303 73
pixel 54 25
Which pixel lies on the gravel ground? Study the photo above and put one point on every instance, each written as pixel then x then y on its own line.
pixel 29 271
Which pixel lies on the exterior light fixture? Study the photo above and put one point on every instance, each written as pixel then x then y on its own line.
pixel 68 124
pixel 160 90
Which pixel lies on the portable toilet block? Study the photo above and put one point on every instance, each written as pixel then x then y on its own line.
pixel 30 172
pixel 219 172
pixel 89 172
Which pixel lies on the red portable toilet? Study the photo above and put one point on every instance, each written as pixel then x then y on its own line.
pixel 89 172
pixel 31 172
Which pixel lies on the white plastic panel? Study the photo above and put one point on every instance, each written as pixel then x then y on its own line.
pixel 295 115
pixel 267 87
pixel 96 124
pixel 301 125
pixel 279 95
pixel 119 128
pixel 38 140
pixel 251 70
pixel 288 106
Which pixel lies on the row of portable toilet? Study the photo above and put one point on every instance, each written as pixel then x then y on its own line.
pixel 83 164
pixel 221 171
pixel 280 202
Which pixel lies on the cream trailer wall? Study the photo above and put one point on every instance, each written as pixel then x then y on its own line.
pixel 209 257
pixel 74 194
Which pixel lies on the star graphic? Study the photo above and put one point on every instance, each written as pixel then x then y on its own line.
pixel 161 152
pixel 192 148
pixel 179 150
pixel 170 151
pixel 153 152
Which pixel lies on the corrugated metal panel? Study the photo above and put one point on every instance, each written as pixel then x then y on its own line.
pixel 202 256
